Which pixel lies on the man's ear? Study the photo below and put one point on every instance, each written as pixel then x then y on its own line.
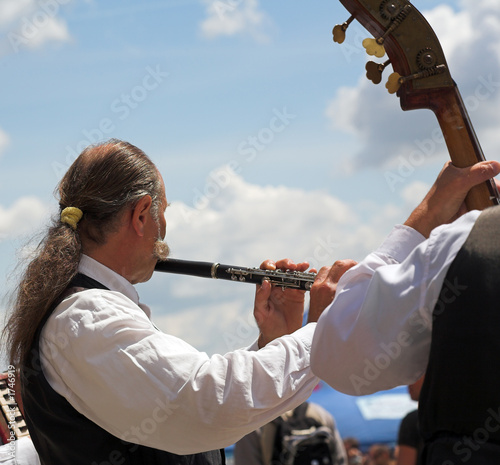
pixel 140 214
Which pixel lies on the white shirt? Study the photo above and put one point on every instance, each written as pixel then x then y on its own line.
pixel 377 332
pixel 19 452
pixel 100 351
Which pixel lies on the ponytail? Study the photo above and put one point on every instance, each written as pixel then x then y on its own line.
pixel 103 180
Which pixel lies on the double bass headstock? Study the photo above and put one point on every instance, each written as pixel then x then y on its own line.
pixel 413 49
pixel 421 78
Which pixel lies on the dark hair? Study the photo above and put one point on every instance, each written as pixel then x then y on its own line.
pixel 101 182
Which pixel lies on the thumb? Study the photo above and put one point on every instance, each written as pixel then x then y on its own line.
pixel 481 172
pixel 325 286
pixel 262 295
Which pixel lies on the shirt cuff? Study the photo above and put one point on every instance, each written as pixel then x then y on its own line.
pixel 400 242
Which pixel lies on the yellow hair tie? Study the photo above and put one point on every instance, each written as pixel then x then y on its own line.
pixel 71 216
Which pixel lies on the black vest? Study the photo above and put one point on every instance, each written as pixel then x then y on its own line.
pixel 459 405
pixel 63 436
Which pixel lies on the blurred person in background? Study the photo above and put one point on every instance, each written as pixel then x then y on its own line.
pixel 379 454
pixel 265 446
pixel 410 442
pixel 353 451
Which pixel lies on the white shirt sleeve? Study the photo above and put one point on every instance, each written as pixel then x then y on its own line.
pixel 102 353
pixel 376 334
pixel 19 452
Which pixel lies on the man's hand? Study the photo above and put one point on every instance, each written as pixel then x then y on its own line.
pixel 277 311
pixel 325 286
pixel 445 200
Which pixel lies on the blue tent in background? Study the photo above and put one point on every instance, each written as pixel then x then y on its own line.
pixel 374 418
pixel 370 419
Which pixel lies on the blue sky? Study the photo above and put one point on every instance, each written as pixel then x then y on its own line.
pixel 271 141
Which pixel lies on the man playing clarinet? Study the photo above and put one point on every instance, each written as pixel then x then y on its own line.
pixel 101 384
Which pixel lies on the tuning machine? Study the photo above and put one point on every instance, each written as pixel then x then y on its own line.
pixel 340 29
pixel 396 80
pixel 427 61
pixel 375 47
pixel 374 70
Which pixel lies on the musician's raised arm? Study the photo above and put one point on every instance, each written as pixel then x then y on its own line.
pixel 377 333
pixel 445 200
pixel 390 295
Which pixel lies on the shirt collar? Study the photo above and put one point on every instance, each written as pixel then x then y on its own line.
pixel 112 280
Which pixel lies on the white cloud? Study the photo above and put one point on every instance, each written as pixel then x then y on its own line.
pixel 227 325
pixel 54 29
pixel 28 24
pixel 415 192
pixel 232 17
pixel 240 221
pixel 11 10
pixel 454 29
pixel 22 217
pixel 470 39
pixel 242 224
pixel 239 224
pixel 4 141
pixel 342 111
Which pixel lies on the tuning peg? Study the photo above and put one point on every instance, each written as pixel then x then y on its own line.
pixel 396 80
pixel 339 30
pixel 394 83
pixel 374 48
pixel 374 71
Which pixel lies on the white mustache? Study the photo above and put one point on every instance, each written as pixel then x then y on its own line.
pixel 161 250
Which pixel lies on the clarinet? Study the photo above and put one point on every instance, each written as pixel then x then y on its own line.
pixel 283 279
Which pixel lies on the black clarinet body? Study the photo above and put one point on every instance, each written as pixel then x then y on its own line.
pixel 284 279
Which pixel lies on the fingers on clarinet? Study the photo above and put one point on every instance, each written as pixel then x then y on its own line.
pixel 303 266
pixel 268 265
pixel 263 293
pixel 286 264
pixel 340 267
pixel 322 273
pixel 334 272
